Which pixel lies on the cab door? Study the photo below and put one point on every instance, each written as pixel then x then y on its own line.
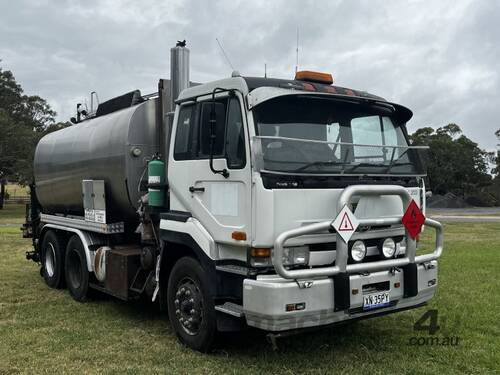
pixel 221 204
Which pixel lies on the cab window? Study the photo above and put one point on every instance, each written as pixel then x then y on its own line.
pixel 235 136
pixel 185 124
pixel 194 142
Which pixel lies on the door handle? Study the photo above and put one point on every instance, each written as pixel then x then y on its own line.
pixel 193 189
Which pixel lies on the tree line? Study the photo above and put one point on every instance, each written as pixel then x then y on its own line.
pixel 24 119
pixel 456 164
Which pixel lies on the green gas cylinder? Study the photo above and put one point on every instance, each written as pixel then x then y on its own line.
pixel 156 183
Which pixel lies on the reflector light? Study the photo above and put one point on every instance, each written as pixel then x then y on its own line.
pixel 308 87
pixel 295 306
pixel 260 252
pixel 239 236
pixel 331 89
pixel 306 75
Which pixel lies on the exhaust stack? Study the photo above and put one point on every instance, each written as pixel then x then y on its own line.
pixel 179 71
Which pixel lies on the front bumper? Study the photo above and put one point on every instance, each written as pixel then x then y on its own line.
pixel 265 299
pixel 325 294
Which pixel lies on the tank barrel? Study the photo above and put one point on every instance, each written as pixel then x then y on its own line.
pixel 113 147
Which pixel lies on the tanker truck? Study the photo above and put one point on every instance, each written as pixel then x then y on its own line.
pixel 279 204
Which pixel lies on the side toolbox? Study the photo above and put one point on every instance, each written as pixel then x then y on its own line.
pixel 122 264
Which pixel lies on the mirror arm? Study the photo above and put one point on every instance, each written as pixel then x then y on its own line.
pixel 224 171
pixel 213 124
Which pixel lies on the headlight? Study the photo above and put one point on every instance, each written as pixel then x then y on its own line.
pixel 295 255
pixel 358 251
pixel 388 248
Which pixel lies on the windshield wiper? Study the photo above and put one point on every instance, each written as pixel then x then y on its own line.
pixel 364 165
pixel 317 163
pixel 393 161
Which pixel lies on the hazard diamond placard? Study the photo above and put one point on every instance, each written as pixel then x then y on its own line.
pixel 345 224
pixel 413 219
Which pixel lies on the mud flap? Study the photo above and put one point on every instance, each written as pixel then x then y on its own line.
pixel 341 292
pixel 410 279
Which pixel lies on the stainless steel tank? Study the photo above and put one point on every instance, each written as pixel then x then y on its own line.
pixel 114 148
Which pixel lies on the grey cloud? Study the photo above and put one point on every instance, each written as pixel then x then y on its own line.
pixel 439 58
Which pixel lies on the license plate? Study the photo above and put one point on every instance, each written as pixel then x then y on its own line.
pixel 375 300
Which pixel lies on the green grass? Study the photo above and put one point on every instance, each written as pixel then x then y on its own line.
pixel 12 213
pixel 43 330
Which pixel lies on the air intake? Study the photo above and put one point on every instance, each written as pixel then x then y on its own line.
pixel 179 71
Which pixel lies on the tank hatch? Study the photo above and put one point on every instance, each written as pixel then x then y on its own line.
pixel 120 102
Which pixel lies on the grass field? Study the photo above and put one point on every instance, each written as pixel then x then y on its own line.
pixel 15 190
pixel 44 331
pixel 12 214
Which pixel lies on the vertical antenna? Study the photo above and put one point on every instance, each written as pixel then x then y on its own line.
pixel 224 53
pixel 297 52
pixel 265 70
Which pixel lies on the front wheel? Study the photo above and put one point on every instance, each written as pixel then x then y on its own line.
pixel 77 274
pixel 191 309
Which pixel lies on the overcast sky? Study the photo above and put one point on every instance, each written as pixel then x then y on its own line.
pixel 439 58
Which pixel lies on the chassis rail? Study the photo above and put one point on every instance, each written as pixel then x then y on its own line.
pixel 341 265
pixel 80 223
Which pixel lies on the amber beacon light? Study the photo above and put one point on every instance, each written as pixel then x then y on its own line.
pixel 307 75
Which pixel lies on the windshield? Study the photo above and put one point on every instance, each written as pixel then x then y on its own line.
pixel 301 134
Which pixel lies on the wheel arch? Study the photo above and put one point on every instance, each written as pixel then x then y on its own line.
pixel 180 239
pixel 88 240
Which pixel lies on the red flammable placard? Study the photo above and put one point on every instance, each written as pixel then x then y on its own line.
pixel 413 219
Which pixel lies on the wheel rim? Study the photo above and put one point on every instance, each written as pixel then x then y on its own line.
pixel 50 260
pixel 75 269
pixel 189 306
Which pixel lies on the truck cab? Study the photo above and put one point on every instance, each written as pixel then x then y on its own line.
pixel 259 168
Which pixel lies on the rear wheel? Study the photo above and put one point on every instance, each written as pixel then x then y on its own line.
pixel 191 309
pixel 77 275
pixel 52 257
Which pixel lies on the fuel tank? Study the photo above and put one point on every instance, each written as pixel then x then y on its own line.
pixel 113 147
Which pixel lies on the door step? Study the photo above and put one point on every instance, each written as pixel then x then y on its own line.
pixel 233 268
pixel 231 309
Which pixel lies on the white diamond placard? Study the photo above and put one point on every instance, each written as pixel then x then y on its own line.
pixel 345 224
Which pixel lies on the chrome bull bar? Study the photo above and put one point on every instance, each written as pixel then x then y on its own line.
pixel 341 266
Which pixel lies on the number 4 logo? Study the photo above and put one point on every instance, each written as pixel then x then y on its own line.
pixel 432 327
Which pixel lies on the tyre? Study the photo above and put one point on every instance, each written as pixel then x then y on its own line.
pixel 191 309
pixel 52 258
pixel 77 275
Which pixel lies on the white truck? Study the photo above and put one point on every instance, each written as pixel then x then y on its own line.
pixel 218 201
